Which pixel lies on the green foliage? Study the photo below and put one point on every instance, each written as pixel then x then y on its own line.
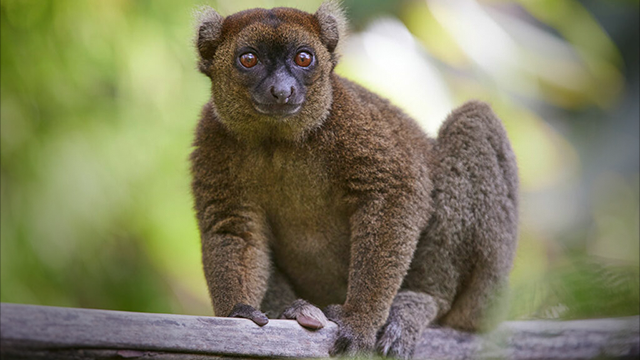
pixel 99 101
pixel 578 288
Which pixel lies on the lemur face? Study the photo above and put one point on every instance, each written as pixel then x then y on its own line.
pixel 269 67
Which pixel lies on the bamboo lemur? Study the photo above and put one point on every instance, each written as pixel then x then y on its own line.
pixel 309 186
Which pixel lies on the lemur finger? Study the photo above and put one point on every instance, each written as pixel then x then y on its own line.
pixel 249 312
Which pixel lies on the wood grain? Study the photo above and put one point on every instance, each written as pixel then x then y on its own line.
pixel 43 332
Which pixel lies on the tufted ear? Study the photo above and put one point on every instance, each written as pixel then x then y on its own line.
pixel 208 36
pixel 333 23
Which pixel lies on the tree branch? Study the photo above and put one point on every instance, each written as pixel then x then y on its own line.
pixel 43 332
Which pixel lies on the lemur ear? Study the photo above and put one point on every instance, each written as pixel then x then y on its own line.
pixel 333 23
pixel 208 35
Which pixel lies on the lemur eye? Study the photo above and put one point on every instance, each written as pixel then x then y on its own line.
pixel 303 59
pixel 248 60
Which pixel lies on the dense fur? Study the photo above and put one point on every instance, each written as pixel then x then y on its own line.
pixel 346 203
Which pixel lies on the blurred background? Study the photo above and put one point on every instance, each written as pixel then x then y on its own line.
pixel 99 100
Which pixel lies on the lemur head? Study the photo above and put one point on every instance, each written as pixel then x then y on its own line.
pixel 270 68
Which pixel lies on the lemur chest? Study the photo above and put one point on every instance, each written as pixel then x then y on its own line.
pixel 301 203
pixel 308 219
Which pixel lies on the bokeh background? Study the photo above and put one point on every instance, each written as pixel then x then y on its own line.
pixel 99 100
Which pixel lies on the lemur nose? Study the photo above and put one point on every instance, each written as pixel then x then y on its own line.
pixel 282 94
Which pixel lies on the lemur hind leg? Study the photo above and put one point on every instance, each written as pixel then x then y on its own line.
pixel 464 256
pixel 279 295
pixel 281 301
pixel 491 235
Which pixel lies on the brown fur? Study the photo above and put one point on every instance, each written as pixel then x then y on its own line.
pixel 330 204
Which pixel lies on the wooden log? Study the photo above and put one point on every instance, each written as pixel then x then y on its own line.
pixel 43 332
pixel 24 327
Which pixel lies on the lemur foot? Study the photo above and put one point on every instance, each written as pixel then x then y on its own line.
pixel 306 314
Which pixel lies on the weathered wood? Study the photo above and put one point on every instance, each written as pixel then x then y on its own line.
pixel 44 327
pixel 42 332
pixel 578 339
